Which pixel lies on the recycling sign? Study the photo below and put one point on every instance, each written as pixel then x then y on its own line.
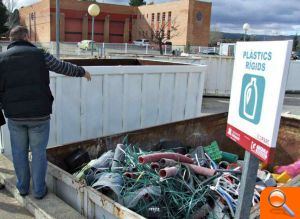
pixel 257 94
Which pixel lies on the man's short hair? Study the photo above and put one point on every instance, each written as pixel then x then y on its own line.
pixel 18 33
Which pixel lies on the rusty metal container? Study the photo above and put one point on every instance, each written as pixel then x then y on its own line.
pixel 193 132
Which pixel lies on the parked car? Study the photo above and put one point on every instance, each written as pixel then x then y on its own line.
pixel 86 44
pixel 209 51
pixel 295 55
pixel 164 44
pixel 141 42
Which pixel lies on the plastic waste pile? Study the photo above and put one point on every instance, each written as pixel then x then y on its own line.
pixel 203 183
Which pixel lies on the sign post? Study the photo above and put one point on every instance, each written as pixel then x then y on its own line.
pixel 257 94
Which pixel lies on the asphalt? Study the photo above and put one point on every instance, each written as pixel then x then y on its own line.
pixel 10 208
pixel 218 105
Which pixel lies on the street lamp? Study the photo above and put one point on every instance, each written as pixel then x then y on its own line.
pixel 93 10
pixel 246 27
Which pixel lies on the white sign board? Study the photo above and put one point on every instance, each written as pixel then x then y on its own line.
pixel 257 93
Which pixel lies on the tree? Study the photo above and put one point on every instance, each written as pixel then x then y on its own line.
pixel 164 31
pixel 3 18
pixel 136 2
pixel 215 37
pixel 10 5
pixel 13 19
pixel 296 42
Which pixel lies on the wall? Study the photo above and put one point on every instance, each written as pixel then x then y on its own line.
pixel 198 33
pixel 184 16
pixel 180 13
pixel 37 18
pixel 110 24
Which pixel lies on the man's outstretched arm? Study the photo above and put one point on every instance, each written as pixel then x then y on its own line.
pixel 65 68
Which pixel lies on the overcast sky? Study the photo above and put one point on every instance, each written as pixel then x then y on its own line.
pixel 272 17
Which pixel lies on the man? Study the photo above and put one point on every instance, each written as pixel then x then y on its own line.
pixel 2 122
pixel 27 103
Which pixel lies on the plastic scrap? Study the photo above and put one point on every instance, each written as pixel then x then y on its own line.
pixel 104 161
pixel 230 157
pixel 132 199
pixel 109 184
pixel 282 178
pixel 119 156
pixel 213 151
pixel 157 156
pixel 168 172
pixel 292 169
pixel 167 163
pixel 75 160
pixel 163 184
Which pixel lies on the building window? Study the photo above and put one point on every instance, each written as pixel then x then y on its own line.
pixel 169 16
pixel 147 15
pixel 158 17
pixel 152 18
pixel 163 16
pixel 152 35
pixel 169 34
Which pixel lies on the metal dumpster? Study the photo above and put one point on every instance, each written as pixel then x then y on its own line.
pixel 124 95
pixel 193 132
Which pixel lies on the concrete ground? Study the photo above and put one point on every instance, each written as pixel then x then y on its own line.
pixel 10 208
pixel 219 105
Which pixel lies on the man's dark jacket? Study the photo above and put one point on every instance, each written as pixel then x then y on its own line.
pixel 24 82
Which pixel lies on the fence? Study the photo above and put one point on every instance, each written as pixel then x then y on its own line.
pixel 100 49
pixel 121 98
pixel 107 49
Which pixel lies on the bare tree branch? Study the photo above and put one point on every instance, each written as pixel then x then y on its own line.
pixel 162 32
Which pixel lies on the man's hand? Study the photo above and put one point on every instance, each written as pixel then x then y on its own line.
pixel 87 75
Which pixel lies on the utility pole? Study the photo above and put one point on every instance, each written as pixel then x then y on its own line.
pixel 57 28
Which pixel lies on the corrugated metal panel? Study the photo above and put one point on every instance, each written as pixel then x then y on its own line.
pixel 293 83
pixel 219 74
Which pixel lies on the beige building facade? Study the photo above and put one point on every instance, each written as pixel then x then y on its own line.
pixel 119 23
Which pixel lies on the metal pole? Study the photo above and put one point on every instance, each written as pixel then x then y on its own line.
pixel 165 49
pixel 103 49
pixel 126 47
pixel 57 28
pixel 147 49
pixel 93 22
pixel 247 185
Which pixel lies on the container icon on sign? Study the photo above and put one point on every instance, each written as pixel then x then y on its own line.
pixel 252 95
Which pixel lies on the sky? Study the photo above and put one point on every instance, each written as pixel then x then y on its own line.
pixel 270 17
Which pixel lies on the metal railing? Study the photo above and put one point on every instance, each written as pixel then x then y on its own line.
pixel 108 49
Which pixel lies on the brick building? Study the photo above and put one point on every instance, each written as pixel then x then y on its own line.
pixel 118 23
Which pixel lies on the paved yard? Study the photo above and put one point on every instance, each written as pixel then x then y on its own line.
pixel 10 207
pixel 218 105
